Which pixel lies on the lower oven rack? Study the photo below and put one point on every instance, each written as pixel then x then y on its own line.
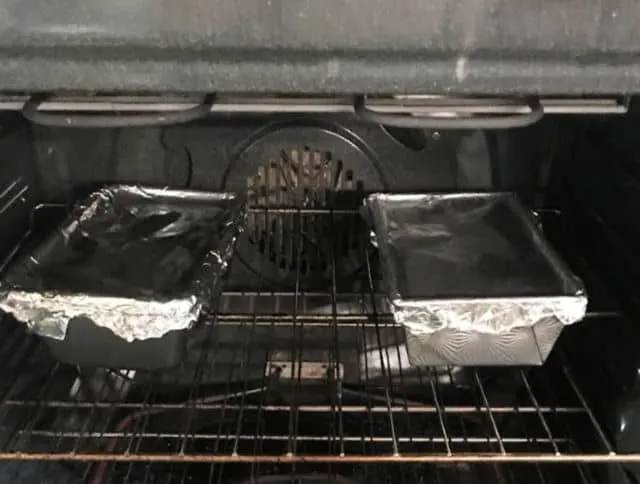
pixel 297 376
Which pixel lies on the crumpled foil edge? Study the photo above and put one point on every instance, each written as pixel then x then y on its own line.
pixel 49 314
pixel 490 316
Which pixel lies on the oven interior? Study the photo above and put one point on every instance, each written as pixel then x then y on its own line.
pixel 301 375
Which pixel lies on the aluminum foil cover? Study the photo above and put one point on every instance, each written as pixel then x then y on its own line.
pixel 469 262
pixel 139 261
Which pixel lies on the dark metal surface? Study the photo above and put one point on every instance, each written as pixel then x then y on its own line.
pixel 488 46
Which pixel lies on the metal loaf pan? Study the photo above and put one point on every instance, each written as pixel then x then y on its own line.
pixel 126 275
pixel 472 279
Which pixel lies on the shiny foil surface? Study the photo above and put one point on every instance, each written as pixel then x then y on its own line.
pixel 470 262
pixel 138 261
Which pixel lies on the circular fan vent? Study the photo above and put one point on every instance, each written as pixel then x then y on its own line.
pixel 303 178
pixel 316 170
pixel 300 178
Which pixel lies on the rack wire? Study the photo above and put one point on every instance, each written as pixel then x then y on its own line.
pixel 297 376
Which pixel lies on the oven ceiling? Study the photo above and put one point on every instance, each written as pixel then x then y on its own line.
pixel 306 46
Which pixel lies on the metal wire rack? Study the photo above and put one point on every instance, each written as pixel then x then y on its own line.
pixel 296 376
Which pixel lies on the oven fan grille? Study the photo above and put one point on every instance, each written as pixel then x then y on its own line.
pixel 311 179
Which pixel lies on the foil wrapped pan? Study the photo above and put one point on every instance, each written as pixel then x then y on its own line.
pixel 464 270
pixel 139 261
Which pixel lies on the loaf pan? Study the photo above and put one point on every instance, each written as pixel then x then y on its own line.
pixel 471 278
pixel 128 273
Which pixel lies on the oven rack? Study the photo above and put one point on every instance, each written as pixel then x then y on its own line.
pixel 297 376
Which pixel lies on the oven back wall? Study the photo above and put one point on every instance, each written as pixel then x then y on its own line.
pixel 233 153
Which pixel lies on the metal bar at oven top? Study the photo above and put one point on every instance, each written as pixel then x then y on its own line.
pixel 399 104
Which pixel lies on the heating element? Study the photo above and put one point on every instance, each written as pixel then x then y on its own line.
pixel 302 377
